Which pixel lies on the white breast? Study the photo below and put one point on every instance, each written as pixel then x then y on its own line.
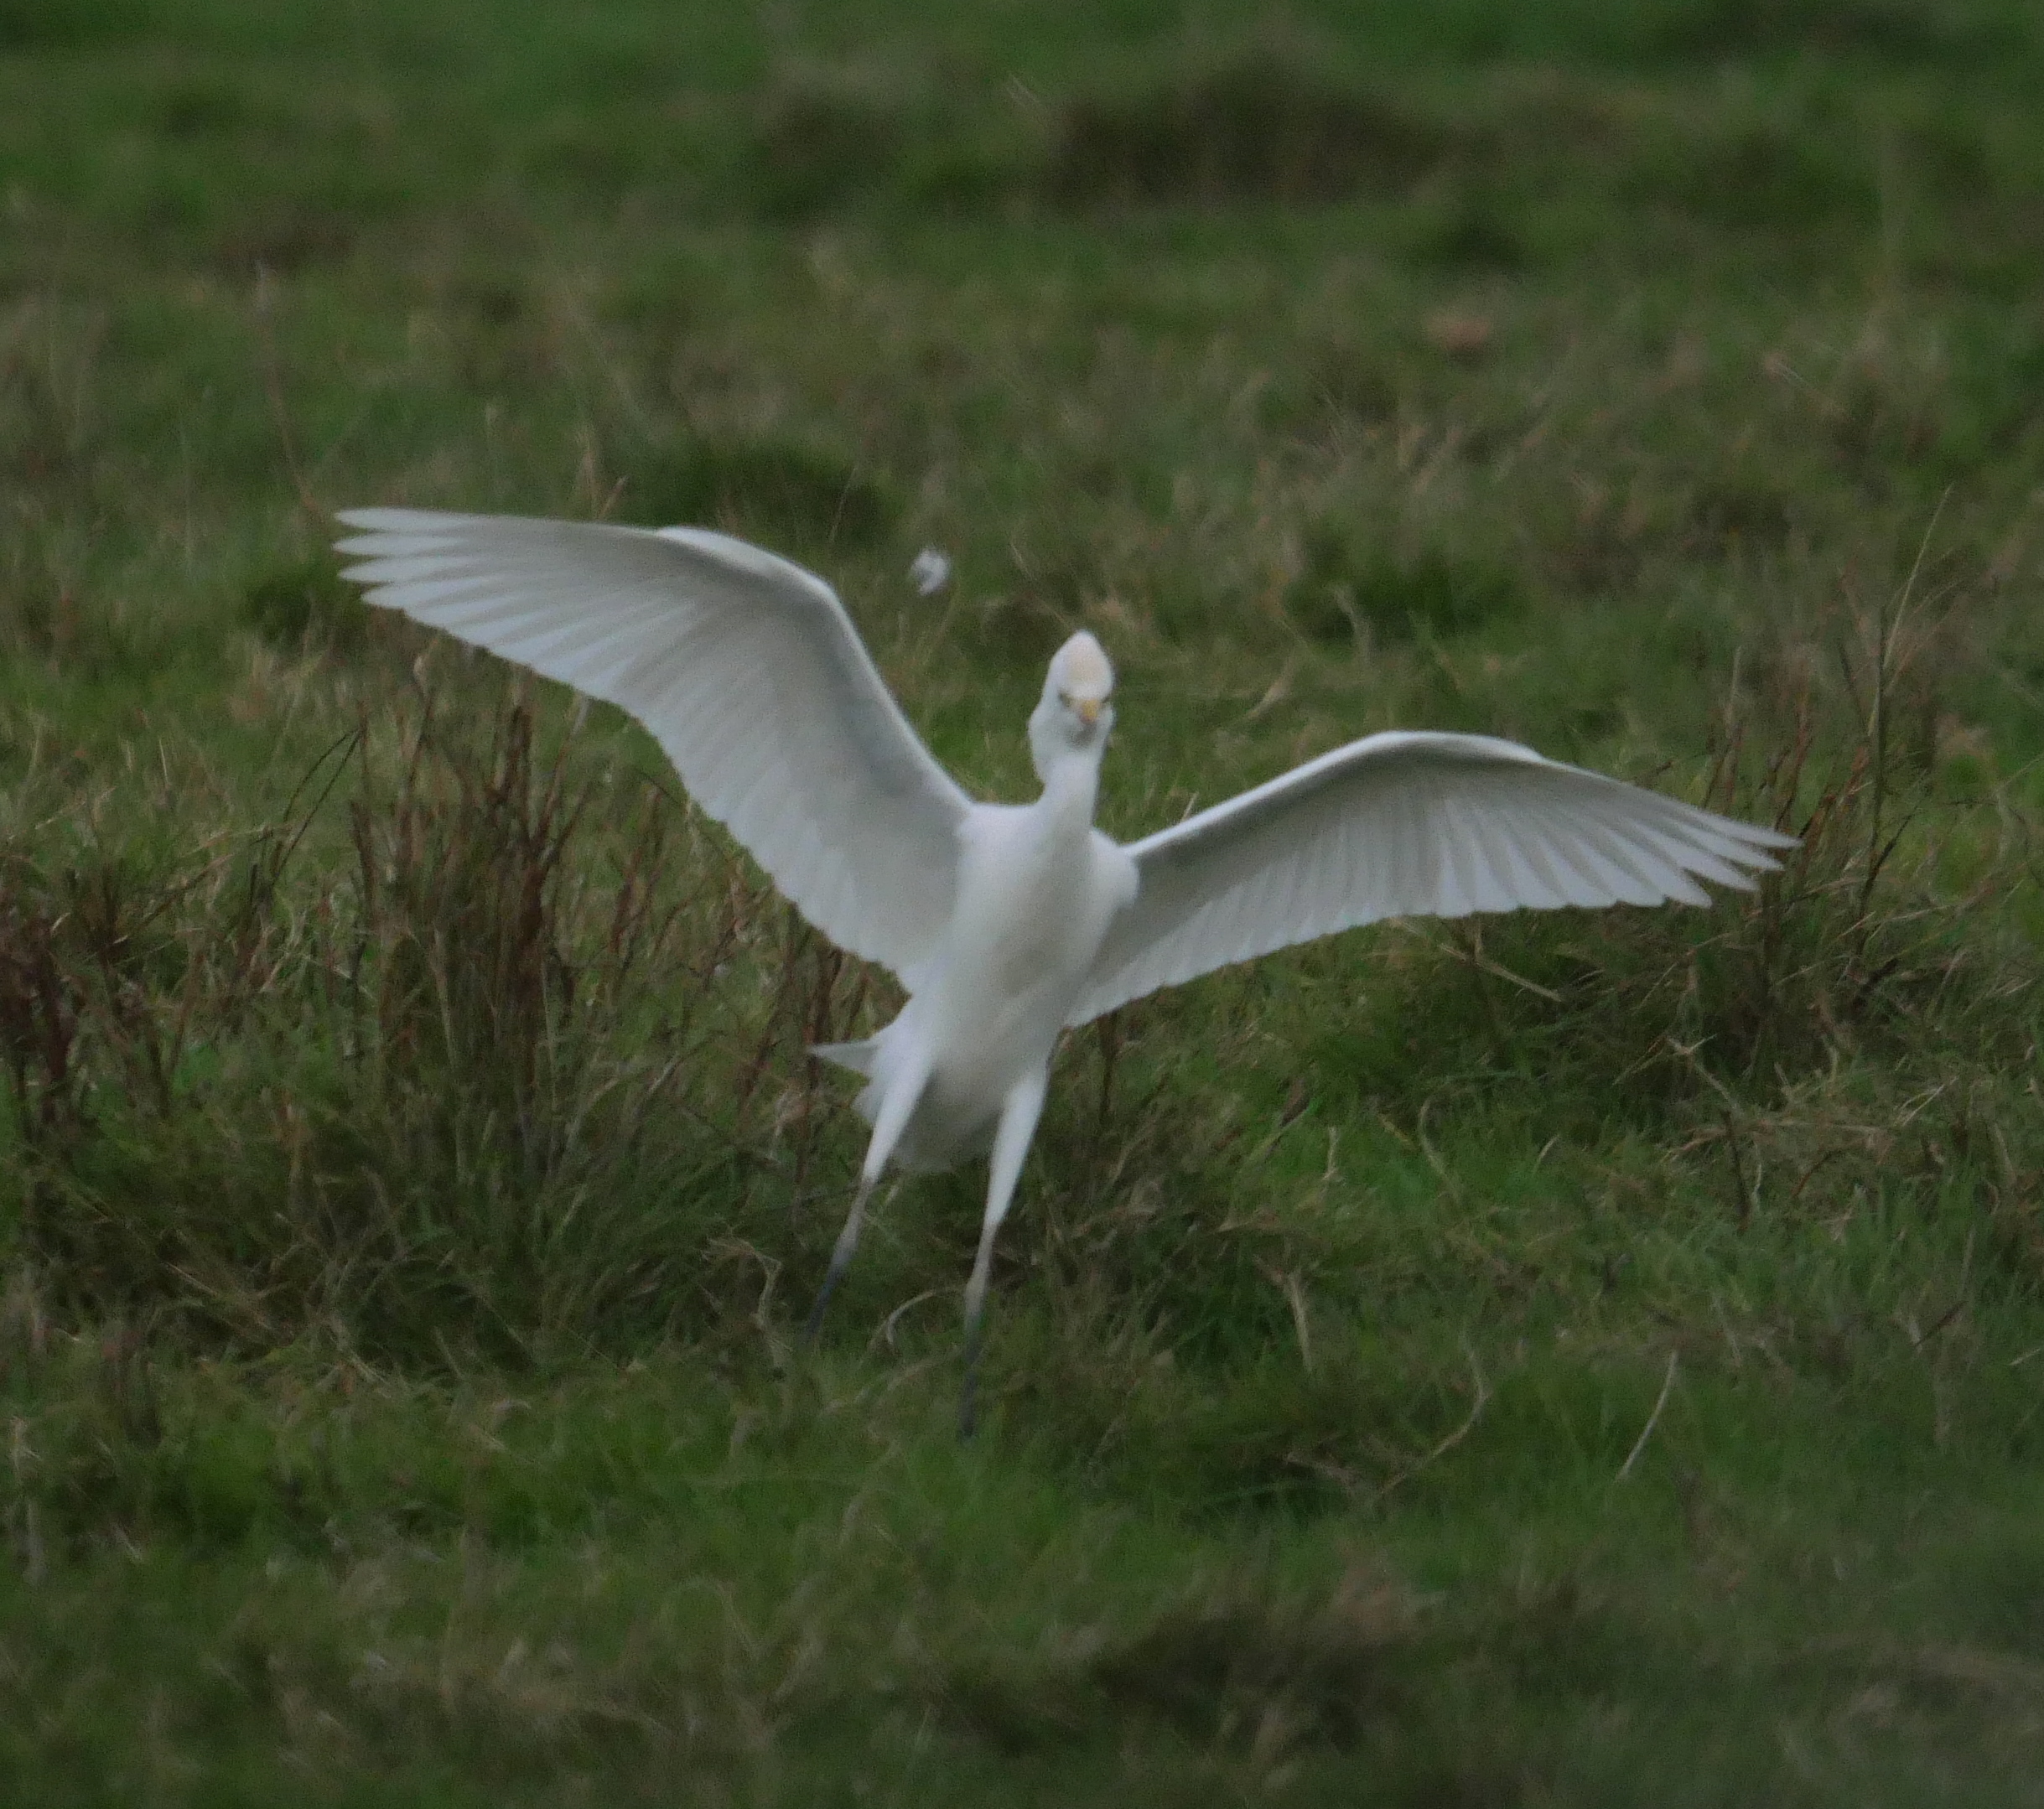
pixel 1035 898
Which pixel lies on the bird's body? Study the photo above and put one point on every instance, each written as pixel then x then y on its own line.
pixel 1038 886
pixel 1007 924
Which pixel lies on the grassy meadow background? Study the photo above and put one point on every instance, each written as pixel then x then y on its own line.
pixel 1568 1360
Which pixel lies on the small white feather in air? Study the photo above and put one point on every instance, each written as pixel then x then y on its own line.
pixel 931 571
pixel 1007 923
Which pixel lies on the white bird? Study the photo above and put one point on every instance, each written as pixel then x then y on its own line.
pixel 1008 924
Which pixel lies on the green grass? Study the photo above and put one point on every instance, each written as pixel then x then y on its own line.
pixel 1561 1359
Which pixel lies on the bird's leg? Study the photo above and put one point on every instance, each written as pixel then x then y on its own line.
pixel 1018 1125
pixel 896 1107
pixel 840 1259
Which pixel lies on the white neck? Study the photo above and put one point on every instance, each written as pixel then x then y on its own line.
pixel 1044 746
pixel 1071 782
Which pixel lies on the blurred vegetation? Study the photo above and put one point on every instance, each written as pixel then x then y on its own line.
pixel 1560 1358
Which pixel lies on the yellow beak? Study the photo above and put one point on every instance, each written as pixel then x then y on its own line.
pixel 1087 709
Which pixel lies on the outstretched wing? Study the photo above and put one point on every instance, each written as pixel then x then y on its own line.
pixel 1404 825
pixel 747 671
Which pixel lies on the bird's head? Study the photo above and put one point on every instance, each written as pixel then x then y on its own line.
pixel 1076 711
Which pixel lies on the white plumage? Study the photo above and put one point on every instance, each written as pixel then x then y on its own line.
pixel 1007 923
pixel 747 671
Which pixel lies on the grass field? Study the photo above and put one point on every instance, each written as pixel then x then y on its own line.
pixel 1567 1360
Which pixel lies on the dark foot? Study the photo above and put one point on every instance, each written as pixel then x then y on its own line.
pixel 823 1295
pixel 968 1396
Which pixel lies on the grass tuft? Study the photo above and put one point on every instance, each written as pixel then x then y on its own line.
pixel 1353 586
pixel 307 608
pixel 457 1150
pixel 772 489
pixel 1262 125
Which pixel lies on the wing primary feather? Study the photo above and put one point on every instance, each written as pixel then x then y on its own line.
pixel 1646 876
pixel 1407 825
pixel 1579 883
pixel 1589 852
pixel 1537 880
pixel 1682 854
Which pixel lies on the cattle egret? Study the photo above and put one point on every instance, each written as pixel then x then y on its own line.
pixel 1008 924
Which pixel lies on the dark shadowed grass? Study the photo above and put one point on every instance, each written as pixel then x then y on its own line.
pixel 772 492
pixel 1577 1358
pixel 402 1109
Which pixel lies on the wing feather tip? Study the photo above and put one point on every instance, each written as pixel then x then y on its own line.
pixel 381 518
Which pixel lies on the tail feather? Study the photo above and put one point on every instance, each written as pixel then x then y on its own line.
pixel 859 1057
